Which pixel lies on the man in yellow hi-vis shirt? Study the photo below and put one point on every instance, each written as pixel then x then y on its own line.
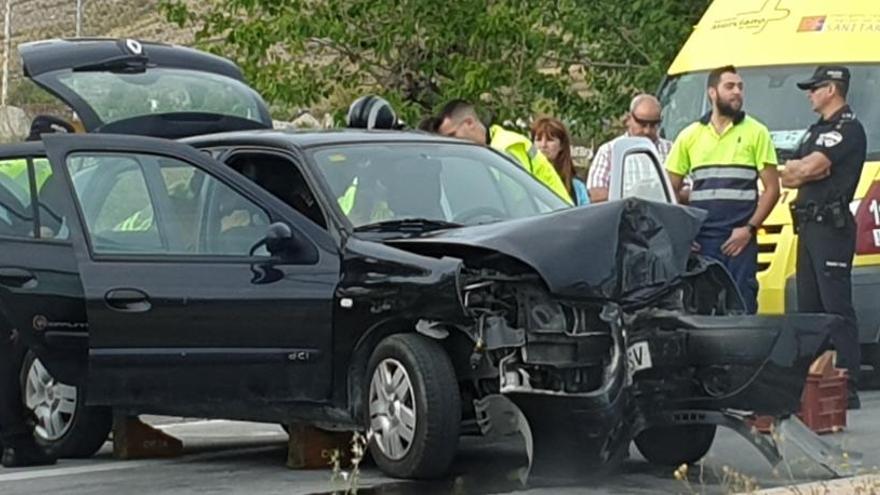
pixel 459 119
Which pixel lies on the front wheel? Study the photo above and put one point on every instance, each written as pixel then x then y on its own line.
pixel 64 425
pixel 676 445
pixel 413 408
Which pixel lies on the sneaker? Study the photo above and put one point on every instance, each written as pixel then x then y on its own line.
pixel 25 453
pixel 852 399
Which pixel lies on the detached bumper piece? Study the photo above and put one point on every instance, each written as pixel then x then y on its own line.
pixel 749 363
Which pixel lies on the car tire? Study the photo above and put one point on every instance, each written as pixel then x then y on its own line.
pixel 413 407
pixel 676 445
pixel 64 425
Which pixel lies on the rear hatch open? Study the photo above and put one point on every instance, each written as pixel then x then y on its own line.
pixel 149 89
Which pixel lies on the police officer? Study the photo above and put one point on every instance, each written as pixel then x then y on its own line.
pixel 826 173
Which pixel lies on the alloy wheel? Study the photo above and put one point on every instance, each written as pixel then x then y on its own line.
pixel 53 403
pixel 392 409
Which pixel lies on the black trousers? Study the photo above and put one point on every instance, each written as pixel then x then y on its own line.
pixel 824 284
pixel 12 419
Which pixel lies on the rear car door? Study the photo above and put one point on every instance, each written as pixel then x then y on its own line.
pixel 184 315
pixel 637 171
pixel 40 292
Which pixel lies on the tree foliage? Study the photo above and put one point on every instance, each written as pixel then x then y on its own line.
pixel 579 60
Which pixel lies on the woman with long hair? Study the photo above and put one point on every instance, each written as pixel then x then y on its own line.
pixel 551 137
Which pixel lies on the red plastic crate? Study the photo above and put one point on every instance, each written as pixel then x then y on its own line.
pixel 823 405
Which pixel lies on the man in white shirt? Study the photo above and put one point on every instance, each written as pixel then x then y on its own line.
pixel 643 120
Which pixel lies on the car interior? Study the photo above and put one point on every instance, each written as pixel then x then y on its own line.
pixel 281 177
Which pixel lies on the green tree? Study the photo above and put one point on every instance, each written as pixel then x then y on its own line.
pixel 579 60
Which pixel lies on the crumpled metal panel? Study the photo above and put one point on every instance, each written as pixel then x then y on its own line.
pixel 619 250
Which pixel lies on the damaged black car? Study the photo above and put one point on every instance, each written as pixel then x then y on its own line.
pixel 409 285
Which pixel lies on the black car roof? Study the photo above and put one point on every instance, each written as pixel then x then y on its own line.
pixel 50 55
pixel 277 138
pixel 286 138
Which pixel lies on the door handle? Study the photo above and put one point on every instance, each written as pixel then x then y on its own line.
pixel 127 300
pixel 17 277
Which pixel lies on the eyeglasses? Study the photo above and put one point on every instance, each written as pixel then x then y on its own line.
pixel 646 122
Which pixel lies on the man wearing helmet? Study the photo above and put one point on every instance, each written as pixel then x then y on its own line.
pixel 372 112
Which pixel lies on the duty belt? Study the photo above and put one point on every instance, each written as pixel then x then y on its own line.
pixel 834 214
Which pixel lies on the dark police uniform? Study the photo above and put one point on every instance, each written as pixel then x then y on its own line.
pixel 827 231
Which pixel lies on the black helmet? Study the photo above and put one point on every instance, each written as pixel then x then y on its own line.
pixel 371 112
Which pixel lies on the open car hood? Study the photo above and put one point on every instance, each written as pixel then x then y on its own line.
pixel 148 89
pixel 622 250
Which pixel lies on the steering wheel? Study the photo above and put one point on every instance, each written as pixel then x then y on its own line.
pixel 479 211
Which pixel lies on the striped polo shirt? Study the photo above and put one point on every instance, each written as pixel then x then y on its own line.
pixel 724 168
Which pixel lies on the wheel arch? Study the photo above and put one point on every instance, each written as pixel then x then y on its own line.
pixel 458 345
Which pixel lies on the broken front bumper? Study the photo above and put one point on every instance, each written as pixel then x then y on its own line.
pixel 672 370
pixel 747 363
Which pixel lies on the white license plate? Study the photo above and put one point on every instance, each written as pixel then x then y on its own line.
pixel 639 357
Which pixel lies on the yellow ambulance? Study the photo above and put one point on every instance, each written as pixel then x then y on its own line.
pixel 773 44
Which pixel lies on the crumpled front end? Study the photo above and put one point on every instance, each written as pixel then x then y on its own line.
pixel 599 323
pixel 561 363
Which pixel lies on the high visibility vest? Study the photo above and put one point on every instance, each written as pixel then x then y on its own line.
pixel 17 170
pixel 529 157
pixel 725 169
pixel 139 221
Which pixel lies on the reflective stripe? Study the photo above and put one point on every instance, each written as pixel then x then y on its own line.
pixel 729 194
pixel 701 173
pixel 346 201
pixel 533 152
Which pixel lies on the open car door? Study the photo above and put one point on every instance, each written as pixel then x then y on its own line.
pixel 637 171
pixel 149 89
pixel 186 311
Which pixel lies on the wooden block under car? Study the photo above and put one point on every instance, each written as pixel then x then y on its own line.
pixel 311 448
pixel 134 439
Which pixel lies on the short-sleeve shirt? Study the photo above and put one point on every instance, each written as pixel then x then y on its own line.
pixel 842 140
pixel 724 169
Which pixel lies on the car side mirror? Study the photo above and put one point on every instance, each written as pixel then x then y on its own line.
pixel 279 238
pixel 280 241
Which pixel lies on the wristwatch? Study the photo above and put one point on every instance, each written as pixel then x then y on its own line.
pixel 753 229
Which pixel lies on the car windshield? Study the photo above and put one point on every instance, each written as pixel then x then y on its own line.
pixel 438 184
pixel 772 97
pixel 119 96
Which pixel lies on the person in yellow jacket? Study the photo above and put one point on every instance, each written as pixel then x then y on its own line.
pixel 459 119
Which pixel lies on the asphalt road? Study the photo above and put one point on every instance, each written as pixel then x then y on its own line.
pixel 232 457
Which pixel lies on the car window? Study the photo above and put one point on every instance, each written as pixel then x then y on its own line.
pixel 16 213
pixel 116 96
pixel 458 183
pixel 147 204
pixel 642 178
pixel 281 177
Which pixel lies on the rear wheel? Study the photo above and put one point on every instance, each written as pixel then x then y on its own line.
pixel 413 408
pixel 676 445
pixel 64 425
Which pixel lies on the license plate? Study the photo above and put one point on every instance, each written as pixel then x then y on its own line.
pixel 639 357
